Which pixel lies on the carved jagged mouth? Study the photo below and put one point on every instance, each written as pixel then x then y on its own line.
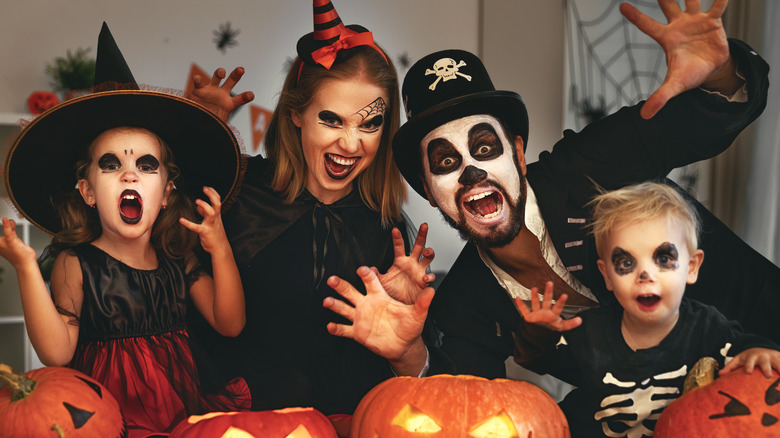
pixel 339 167
pixel 485 205
pixel 130 207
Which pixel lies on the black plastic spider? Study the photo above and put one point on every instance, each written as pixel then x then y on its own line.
pixel 225 37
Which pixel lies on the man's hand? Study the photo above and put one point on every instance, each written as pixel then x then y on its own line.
pixel 696 48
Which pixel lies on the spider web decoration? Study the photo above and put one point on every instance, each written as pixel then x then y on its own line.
pixel 611 63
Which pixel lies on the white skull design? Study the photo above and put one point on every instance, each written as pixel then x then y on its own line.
pixel 446 69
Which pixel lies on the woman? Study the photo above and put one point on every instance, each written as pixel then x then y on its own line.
pixel 322 203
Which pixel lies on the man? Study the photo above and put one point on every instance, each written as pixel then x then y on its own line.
pixel 463 150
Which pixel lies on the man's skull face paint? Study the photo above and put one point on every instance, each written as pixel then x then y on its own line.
pixel 472 174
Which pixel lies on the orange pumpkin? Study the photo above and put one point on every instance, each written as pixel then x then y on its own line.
pixel 457 406
pixel 282 423
pixel 53 401
pixel 736 404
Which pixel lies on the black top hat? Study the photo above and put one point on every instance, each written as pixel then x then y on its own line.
pixel 446 86
pixel 41 162
pixel 330 36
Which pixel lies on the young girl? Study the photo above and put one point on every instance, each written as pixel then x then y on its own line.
pixel 124 271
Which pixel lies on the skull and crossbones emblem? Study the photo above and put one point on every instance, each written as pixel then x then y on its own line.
pixel 446 69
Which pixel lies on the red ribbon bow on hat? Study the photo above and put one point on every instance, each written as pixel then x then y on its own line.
pixel 326 56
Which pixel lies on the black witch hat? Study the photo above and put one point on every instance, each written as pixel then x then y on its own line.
pixel 40 166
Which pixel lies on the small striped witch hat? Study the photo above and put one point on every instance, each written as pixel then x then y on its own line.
pixel 330 35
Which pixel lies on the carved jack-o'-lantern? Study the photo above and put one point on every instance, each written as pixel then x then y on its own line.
pixel 457 406
pixel 282 423
pixel 736 404
pixel 53 401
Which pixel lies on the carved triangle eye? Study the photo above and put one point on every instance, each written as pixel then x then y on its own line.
pixel 499 425
pixel 77 415
pixel 412 419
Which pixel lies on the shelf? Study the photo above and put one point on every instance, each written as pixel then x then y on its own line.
pixel 12 119
pixel 15 319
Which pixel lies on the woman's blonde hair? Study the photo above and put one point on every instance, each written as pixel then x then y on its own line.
pixel 81 223
pixel 642 202
pixel 380 184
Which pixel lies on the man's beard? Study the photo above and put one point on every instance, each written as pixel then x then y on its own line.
pixel 498 235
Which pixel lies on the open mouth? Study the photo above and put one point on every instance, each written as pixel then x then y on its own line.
pixel 130 207
pixel 648 300
pixel 339 167
pixel 485 205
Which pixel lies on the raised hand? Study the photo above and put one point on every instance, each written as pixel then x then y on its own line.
pixel 13 249
pixel 211 231
pixel 217 98
pixel 385 326
pixel 407 278
pixel 546 314
pixel 696 48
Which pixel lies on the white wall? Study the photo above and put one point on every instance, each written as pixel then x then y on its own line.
pixel 160 39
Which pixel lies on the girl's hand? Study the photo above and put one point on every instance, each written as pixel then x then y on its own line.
pixel 764 358
pixel 13 249
pixel 546 314
pixel 211 231
pixel 407 277
pixel 217 98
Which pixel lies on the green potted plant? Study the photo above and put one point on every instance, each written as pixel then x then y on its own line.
pixel 72 73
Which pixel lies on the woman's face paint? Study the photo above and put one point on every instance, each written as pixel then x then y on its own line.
pixel 648 268
pixel 126 182
pixel 340 134
pixel 473 177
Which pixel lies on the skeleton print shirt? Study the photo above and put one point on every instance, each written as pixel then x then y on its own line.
pixel 621 392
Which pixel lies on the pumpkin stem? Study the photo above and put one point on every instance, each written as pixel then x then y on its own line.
pixel 702 374
pixel 57 428
pixel 20 385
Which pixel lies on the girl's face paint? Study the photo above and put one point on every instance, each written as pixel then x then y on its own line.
pixel 472 176
pixel 126 182
pixel 648 269
pixel 340 134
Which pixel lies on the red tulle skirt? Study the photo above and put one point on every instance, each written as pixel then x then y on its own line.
pixel 155 381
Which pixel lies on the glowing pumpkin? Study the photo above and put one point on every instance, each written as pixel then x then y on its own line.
pixel 736 404
pixel 457 406
pixel 54 401
pixel 282 423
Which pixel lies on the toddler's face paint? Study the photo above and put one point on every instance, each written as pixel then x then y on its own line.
pixel 645 270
